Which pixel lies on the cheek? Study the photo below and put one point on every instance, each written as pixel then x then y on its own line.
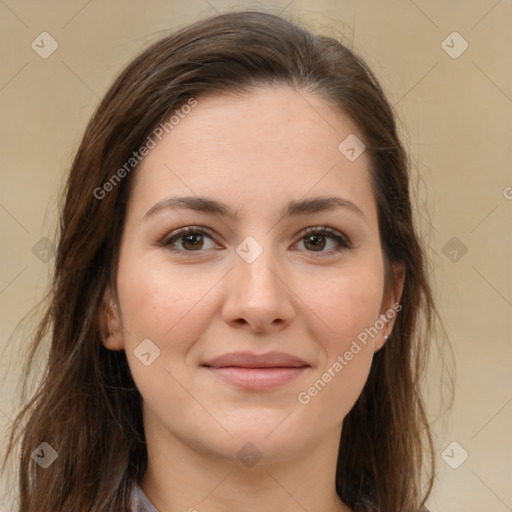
pixel 161 302
pixel 332 393
pixel 171 308
pixel 165 308
pixel 348 308
pixel 348 304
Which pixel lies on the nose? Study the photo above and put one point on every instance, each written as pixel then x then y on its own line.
pixel 258 295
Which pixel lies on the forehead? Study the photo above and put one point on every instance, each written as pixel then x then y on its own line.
pixel 274 144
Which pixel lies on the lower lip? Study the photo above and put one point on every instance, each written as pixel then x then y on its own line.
pixel 258 378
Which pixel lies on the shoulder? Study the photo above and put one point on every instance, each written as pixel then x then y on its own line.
pixel 367 506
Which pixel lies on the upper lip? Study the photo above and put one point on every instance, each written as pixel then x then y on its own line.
pixel 249 360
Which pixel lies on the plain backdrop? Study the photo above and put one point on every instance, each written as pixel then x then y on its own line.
pixel 446 68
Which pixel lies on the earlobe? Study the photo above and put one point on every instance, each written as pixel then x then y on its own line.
pixel 109 323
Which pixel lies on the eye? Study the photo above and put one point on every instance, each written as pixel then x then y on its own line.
pixel 192 240
pixel 314 238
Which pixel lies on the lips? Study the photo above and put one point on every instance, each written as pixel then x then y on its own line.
pixel 256 372
pixel 248 360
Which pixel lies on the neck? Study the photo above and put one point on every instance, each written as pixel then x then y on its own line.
pixel 182 477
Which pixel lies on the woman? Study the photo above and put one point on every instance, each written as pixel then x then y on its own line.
pixel 240 313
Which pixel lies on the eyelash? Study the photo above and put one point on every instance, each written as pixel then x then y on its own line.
pixel 343 241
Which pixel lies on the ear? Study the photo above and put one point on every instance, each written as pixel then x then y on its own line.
pixel 390 305
pixel 110 323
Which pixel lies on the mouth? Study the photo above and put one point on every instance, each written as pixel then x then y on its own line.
pixel 257 372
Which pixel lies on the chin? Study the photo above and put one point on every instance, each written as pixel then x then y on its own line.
pixel 263 442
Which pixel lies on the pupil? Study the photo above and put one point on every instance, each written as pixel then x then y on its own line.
pixel 191 237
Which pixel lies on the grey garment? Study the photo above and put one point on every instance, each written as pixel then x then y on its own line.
pixel 140 502
pixel 367 506
pixel 364 506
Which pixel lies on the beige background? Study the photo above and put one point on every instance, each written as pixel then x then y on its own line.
pixel 456 119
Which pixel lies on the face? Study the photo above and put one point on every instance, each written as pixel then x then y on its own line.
pixel 255 276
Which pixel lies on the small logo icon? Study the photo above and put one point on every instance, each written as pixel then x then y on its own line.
pixel 249 454
pixel 44 45
pixel 454 45
pixel 147 352
pixel 507 192
pixel 44 250
pixel 249 250
pixel 454 455
pixel 44 455
pixel 351 147
pixel 454 249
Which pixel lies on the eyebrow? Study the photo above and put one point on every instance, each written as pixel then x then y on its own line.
pixel 292 208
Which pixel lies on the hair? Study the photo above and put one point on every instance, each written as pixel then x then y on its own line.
pixel 86 405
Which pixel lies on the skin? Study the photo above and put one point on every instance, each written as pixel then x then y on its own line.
pixel 255 154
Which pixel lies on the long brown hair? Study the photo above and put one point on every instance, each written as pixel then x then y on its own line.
pixel 87 406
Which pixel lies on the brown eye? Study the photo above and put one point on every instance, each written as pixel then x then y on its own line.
pixel 187 240
pixel 191 242
pixel 315 240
